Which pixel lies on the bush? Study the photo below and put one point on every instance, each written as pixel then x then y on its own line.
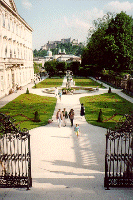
pixel 37 118
pixel 27 91
pixel 100 116
pixel 101 85
pixel 109 91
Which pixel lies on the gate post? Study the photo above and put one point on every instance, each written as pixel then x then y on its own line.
pixel 106 181
pixel 29 165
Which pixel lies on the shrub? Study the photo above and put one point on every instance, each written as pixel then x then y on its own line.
pixel 27 91
pixel 101 85
pixel 100 116
pixel 109 90
pixel 37 118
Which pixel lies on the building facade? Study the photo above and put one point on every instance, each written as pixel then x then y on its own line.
pixel 16 55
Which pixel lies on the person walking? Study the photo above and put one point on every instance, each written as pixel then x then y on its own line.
pixel 71 116
pixel 59 117
pixel 82 111
pixel 60 94
pixel 56 92
pixel 65 116
pixel 77 129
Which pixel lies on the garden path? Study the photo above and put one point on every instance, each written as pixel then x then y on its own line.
pixel 64 166
pixel 67 166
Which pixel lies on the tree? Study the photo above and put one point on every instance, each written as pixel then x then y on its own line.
pixel 37 67
pixel 39 53
pixel 121 31
pixel 50 67
pixel 61 66
pixel 110 43
pixel 93 54
pixel 35 53
pixel 74 67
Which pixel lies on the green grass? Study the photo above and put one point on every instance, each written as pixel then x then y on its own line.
pixel 112 106
pixel 87 83
pixel 49 82
pixel 22 109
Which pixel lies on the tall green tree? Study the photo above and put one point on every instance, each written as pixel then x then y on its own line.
pixel 35 53
pixel 94 53
pixel 74 67
pixel 120 41
pixel 111 44
pixel 37 68
pixel 50 67
pixel 61 66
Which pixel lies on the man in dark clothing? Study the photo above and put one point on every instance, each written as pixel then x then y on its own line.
pixel 82 112
pixel 71 116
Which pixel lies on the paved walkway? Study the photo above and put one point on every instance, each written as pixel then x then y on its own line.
pixel 64 166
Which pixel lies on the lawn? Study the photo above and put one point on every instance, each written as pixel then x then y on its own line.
pixel 113 108
pixel 50 82
pixel 22 109
pixel 87 83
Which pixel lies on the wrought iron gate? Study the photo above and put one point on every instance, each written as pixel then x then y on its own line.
pixel 119 155
pixel 15 157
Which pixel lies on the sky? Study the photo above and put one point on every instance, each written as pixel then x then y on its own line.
pixel 56 19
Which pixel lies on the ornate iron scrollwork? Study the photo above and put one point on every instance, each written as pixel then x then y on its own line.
pixel 119 154
pixel 15 158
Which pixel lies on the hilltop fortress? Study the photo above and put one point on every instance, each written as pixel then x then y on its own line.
pixel 53 44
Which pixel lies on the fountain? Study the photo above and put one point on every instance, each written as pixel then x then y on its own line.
pixel 68 89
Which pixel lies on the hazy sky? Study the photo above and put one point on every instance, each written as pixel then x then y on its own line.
pixel 56 19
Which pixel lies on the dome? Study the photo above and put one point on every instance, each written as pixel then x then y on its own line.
pixel 64 51
pixel 59 51
pixel 49 53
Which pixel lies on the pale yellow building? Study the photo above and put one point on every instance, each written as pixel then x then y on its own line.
pixel 16 55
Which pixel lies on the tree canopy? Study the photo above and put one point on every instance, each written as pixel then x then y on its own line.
pixel 59 68
pixel 110 45
pixel 39 53
pixel 54 67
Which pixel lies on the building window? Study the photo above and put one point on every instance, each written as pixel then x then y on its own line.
pixel 6 52
pixel 9 24
pixel 16 29
pixel 12 27
pixel 8 80
pixel 21 55
pixel 10 53
pixel 14 54
pixel 20 77
pixel 3 17
pixel 18 52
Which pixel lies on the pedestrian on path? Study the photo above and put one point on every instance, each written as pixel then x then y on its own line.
pixel 56 92
pixel 82 111
pixel 77 129
pixel 65 116
pixel 60 94
pixel 59 117
pixel 71 116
